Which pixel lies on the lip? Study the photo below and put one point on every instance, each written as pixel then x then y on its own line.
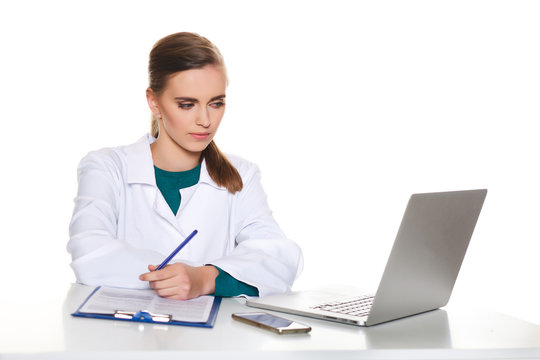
pixel 200 135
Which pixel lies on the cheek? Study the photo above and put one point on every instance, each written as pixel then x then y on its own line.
pixel 177 120
pixel 217 116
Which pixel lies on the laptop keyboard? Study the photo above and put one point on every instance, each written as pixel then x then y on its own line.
pixel 356 306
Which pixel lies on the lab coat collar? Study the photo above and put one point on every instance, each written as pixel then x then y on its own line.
pixel 206 179
pixel 140 165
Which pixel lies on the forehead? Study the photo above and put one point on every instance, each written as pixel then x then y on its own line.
pixel 207 82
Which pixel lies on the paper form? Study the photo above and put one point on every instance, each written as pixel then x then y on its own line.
pixel 107 300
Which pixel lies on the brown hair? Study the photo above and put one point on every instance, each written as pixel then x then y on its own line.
pixel 185 51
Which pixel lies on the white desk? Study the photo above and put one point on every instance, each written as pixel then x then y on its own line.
pixel 49 332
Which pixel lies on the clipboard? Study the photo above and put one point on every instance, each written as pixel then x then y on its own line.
pixel 145 316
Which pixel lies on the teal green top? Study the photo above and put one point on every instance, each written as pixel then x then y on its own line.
pixel 169 184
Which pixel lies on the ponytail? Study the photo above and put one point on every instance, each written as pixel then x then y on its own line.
pixel 221 170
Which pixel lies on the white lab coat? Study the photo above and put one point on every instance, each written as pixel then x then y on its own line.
pixel 121 223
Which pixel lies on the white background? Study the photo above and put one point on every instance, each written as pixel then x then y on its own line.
pixel 348 107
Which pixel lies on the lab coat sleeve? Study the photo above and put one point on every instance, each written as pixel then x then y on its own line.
pixel 263 257
pixel 98 256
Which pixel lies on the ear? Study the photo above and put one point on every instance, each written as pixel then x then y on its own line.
pixel 152 100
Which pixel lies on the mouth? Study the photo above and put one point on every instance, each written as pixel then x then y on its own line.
pixel 200 135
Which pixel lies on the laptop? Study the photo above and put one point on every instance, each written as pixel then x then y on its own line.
pixel 420 273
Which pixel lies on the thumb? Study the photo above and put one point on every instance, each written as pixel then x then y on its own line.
pixel 152 267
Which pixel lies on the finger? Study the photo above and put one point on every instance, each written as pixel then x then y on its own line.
pixel 176 293
pixel 171 286
pixel 165 284
pixel 144 277
pixel 155 275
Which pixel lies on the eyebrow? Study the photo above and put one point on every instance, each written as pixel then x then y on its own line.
pixel 184 98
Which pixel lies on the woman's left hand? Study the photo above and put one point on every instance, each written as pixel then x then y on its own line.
pixel 180 281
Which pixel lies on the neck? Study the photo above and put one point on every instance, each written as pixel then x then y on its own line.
pixel 169 156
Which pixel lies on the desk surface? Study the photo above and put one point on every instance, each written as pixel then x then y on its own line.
pixel 47 331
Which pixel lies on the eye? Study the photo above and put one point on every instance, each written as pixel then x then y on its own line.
pixel 217 104
pixel 185 106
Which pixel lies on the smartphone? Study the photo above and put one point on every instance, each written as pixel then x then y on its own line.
pixel 271 322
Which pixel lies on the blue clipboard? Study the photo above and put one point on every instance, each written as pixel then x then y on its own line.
pixel 146 317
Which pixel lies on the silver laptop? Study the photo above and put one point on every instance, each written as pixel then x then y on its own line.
pixel 420 273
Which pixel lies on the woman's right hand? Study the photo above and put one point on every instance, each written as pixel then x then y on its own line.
pixel 180 281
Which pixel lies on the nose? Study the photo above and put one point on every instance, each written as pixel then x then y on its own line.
pixel 203 118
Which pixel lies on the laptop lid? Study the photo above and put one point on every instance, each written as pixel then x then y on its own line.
pixel 427 254
pixel 422 267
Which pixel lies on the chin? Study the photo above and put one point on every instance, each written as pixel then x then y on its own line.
pixel 197 148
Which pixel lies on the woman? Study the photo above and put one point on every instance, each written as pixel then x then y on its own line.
pixel 136 203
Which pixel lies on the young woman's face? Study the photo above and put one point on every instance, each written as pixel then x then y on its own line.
pixel 191 107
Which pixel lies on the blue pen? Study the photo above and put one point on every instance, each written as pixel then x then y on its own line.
pixel 173 254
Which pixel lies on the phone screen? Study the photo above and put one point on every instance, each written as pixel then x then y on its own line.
pixel 272 322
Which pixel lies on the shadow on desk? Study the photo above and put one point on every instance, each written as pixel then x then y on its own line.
pixel 424 331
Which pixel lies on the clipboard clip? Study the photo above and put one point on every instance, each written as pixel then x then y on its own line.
pixel 142 316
